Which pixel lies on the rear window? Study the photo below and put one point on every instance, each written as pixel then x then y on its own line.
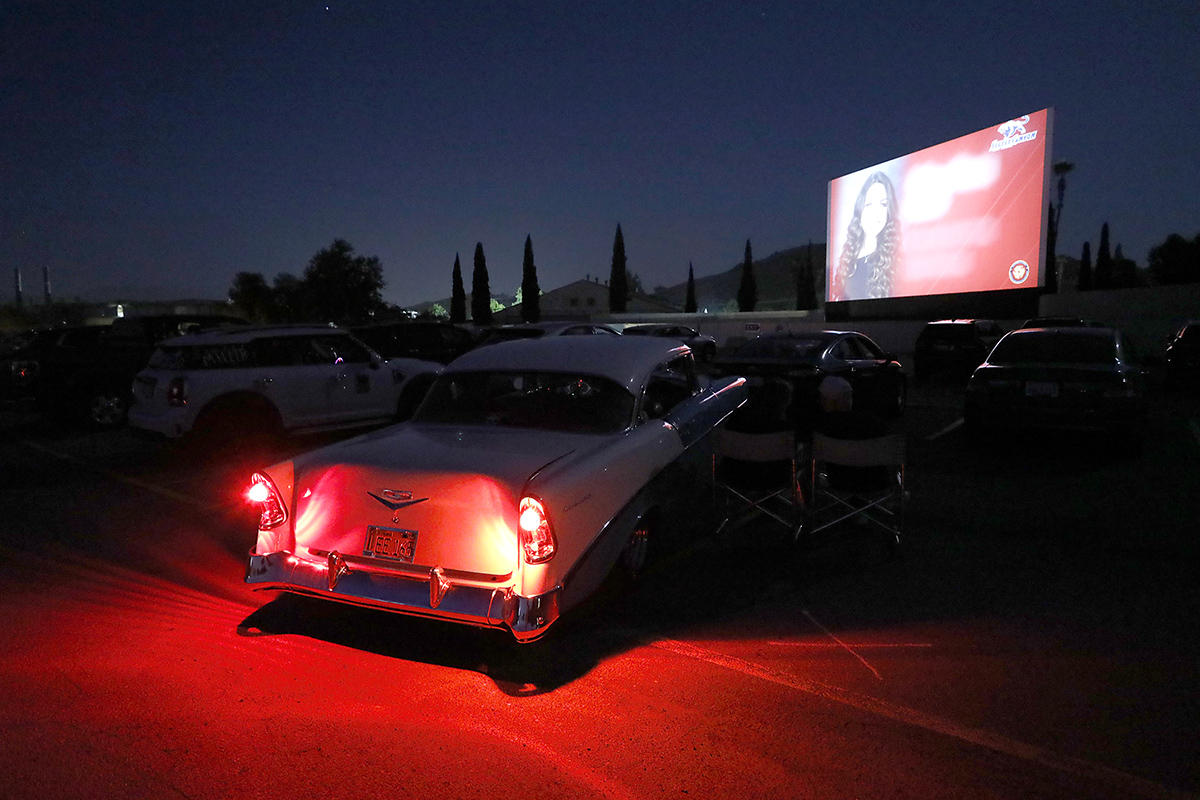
pixel 1061 347
pixel 799 348
pixel 568 402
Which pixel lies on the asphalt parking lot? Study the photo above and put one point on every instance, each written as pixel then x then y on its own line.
pixel 1036 638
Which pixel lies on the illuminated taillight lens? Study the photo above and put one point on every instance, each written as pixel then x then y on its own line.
pixel 262 492
pixel 177 392
pixel 537 540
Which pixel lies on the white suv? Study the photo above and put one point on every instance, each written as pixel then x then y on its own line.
pixel 272 380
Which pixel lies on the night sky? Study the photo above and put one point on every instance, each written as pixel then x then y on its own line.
pixel 153 150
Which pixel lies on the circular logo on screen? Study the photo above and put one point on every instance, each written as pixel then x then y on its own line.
pixel 1019 271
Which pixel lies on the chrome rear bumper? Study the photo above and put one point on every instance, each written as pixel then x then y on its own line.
pixel 436 597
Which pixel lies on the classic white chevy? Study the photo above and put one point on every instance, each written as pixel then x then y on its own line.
pixel 531 471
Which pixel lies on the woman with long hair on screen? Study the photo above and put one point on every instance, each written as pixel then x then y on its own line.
pixel 871 253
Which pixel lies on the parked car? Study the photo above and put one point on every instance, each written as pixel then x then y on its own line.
pixel 89 378
pixel 427 340
pixel 953 346
pixel 1182 358
pixel 536 330
pixel 40 352
pixel 804 359
pixel 532 471
pixel 270 380
pixel 704 347
pixel 1082 378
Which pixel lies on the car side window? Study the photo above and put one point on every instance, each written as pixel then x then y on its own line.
pixel 868 348
pixel 335 350
pixel 846 350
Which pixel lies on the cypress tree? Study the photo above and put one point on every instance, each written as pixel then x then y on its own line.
pixel 1051 269
pixel 1103 276
pixel 747 296
pixel 458 295
pixel 689 304
pixel 617 285
pixel 1085 268
pixel 531 304
pixel 481 292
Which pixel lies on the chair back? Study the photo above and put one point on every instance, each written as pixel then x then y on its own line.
pixel 879 451
pixel 754 447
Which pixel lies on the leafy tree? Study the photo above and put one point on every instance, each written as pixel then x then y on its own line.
pixel 689 304
pixel 1102 278
pixel 438 311
pixel 1085 268
pixel 1051 284
pixel 481 292
pixel 458 295
pixel 531 304
pixel 343 287
pixel 290 301
pixel 252 296
pixel 747 296
pixel 617 285
pixel 1176 260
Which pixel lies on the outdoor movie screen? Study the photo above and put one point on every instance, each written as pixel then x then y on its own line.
pixel 966 215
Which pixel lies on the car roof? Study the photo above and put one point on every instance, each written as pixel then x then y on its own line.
pixel 242 333
pixel 626 361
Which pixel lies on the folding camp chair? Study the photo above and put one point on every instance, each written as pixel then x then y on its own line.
pixel 754 475
pixel 859 479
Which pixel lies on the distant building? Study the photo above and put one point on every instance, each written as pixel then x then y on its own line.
pixel 583 299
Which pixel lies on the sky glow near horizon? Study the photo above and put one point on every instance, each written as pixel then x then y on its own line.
pixel 154 151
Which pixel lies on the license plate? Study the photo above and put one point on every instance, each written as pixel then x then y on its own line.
pixel 1041 389
pixel 392 543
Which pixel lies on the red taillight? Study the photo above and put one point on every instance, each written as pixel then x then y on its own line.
pixel 262 492
pixel 177 392
pixel 537 540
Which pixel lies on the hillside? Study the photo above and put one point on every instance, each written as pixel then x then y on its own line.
pixel 775 278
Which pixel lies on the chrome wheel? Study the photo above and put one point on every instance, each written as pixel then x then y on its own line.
pixel 107 410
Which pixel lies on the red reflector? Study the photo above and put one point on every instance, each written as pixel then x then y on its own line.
pixel 177 392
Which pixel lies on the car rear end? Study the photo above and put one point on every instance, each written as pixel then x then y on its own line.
pixel 1057 378
pixel 453 539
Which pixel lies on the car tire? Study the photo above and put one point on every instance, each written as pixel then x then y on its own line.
pixel 636 554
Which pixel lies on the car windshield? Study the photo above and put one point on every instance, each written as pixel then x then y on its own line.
pixel 552 401
pixel 1054 347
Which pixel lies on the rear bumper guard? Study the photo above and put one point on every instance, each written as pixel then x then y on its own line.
pixel 438 596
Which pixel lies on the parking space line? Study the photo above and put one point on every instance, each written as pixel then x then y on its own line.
pixel 170 494
pixel 1122 781
pixel 953 426
pixel 841 644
